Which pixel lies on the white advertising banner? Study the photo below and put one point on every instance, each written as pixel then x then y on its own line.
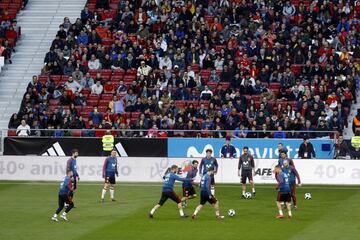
pixel 35 168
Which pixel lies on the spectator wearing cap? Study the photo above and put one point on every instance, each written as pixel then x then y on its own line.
pixel 228 150
pixel 306 150
pixel 143 69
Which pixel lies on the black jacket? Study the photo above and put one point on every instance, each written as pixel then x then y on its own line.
pixel 306 151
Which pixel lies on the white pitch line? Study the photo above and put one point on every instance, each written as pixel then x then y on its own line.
pixel 327 187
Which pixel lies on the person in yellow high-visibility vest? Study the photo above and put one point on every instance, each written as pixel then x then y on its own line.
pixel 107 143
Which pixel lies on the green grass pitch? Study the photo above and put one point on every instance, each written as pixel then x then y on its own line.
pixel 26 209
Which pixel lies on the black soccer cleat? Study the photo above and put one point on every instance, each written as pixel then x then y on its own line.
pixel 254 194
pixel 151 216
pixel 243 196
pixel 113 200
pixel 184 216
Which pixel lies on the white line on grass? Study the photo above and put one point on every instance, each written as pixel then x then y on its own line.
pixel 330 187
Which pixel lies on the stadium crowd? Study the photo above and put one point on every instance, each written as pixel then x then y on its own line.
pixel 234 66
pixel 9 30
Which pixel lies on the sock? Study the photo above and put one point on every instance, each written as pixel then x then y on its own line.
pixel 217 213
pixel 243 192
pixel 213 191
pixel 197 210
pixel 103 193
pixel 112 193
pixel 281 212
pixel 253 190
pixel 181 211
pixel 289 213
pixel 152 211
pixel 55 215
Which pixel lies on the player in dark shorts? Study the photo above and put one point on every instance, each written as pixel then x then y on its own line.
pixel 188 186
pixel 284 192
pixel 168 191
pixel 206 196
pixel 246 167
pixel 209 162
pixel 109 173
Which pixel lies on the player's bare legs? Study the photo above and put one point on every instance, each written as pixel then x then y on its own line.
pixel 288 205
pixel 197 210
pixel 217 211
pixel 153 210
pixel 281 214
pixel 104 191
pixel 183 199
pixel 181 210
pixel 253 187
pixel 243 190
pixel 112 191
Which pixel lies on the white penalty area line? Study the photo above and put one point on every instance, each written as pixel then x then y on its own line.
pixel 266 186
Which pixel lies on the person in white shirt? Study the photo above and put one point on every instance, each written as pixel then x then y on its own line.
pixel 143 69
pixel 23 130
pixel 190 72
pixel 206 94
pixel 94 63
pixel 165 62
pixel 97 88
pixel 74 86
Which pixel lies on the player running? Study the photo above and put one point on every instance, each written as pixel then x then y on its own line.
pixel 109 172
pixel 168 191
pixel 206 163
pixel 71 166
pixel 66 188
pixel 188 188
pixel 247 167
pixel 206 195
pixel 293 175
pixel 283 189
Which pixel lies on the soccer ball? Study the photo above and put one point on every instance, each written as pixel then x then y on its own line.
pixel 307 196
pixel 231 212
pixel 247 195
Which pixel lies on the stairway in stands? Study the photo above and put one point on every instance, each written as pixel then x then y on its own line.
pixel 39 23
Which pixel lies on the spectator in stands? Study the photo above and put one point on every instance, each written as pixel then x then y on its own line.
pixel 35 84
pixel 72 85
pixel 143 69
pixel 206 94
pixel 97 88
pixel 14 122
pixel 23 130
pixel 94 63
pixel 87 81
pixel 95 116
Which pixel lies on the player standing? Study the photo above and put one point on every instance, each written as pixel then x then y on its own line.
pixel 188 188
pixel 206 195
pixel 66 188
pixel 283 189
pixel 206 163
pixel 168 191
pixel 293 175
pixel 109 172
pixel 71 166
pixel 246 169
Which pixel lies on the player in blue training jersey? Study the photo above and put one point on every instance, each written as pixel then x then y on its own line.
pixel 66 187
pixel 168 191
pixel 71 166
pixel 284 192
pixel 109 173
pixel 206 196
pixel 293 176
pixel 188 186
pixel 206 163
